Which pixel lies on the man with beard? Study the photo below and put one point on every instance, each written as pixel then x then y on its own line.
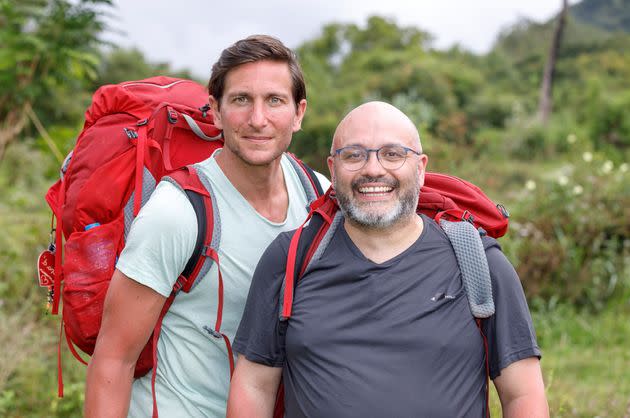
pixel 366 337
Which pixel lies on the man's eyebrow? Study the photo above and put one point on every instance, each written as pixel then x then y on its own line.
pixel 237 93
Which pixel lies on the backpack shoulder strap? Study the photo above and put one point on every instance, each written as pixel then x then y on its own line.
pixel 199 192
pixel 308 243
pixel 473 264
pixel 308 178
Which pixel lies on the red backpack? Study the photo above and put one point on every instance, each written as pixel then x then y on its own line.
pixel 449 200
pixel 135 134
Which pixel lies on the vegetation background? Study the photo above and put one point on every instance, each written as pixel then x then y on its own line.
pixel 566 180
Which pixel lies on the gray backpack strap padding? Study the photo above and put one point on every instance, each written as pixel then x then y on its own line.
pixel 215 243
pixel 148 186
pixel 197 130
pixel 323 244
pixel 473 264
pixel 304 180
pixel 216 230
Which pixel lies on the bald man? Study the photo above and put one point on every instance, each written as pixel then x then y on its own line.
pixel 365 338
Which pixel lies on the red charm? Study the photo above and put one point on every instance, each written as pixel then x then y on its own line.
pixel 46 268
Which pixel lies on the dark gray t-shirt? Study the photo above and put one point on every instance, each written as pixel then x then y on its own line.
pixel 366 340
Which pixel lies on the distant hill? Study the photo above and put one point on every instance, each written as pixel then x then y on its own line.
pixel 611 15
pixel 591 25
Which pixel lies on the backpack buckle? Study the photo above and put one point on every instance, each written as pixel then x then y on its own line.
pixel 468 217
pixel 212 332
pixel 503 210
pixel 172 115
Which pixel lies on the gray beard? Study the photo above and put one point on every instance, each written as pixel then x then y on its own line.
pixel 405 207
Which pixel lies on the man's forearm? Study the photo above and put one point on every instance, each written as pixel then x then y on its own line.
pixel 108 389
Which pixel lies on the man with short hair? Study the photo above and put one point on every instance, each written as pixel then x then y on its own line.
pixel 258 99
pixel 367 337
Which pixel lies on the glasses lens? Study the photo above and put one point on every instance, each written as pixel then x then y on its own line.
pixel 353 157
pixel 392 156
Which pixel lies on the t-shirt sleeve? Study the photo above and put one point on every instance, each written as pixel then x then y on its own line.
pixel 510 332
pixel 161 240
pixel 260 335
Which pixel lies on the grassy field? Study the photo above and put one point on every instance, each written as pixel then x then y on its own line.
pixel 586 362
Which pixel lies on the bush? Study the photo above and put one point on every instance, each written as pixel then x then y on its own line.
pixel 571 234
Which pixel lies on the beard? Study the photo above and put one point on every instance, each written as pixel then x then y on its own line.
pixel 366 214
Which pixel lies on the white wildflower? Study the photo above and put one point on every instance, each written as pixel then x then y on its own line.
pixel 563 180
pixel 577 190
pixel 571 138
pixel 607 167
pixel 530 185
pixel 587 156
pixel 623 167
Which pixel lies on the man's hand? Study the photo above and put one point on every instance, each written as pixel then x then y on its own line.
pixel 130 313
pixel 253 390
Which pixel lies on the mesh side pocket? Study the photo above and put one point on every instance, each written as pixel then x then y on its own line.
pixel 89 263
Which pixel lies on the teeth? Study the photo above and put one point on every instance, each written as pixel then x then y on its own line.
pixel 380 189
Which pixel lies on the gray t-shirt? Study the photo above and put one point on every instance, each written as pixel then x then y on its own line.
pixel 366 340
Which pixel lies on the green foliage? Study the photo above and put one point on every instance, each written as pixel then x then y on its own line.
pixel 119 65
pixel 49 50
pixel 571 234
pixel 610 15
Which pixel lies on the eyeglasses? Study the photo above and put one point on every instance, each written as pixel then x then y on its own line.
pixel 391 157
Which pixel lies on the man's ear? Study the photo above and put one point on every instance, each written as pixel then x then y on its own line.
pixel 330 162
pixel 299 115
pixel 216 114
pixel 422 167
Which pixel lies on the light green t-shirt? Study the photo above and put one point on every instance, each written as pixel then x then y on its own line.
pixel 193 368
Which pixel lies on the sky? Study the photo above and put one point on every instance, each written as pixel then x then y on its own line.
pixel 192 33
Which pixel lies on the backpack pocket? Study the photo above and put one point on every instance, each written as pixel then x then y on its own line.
pixel 90 259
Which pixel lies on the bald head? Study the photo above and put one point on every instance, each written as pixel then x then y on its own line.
pixel 376 121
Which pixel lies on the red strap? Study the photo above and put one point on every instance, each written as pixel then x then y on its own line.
pixel 73 350
pixel 59 371
pixel 230 354
pixel 58 251
pixel 485 346
pixel 215 256
pixel 314 245
pixel 140 148
pixel 172 115
pixel 156 336
pixel 290 270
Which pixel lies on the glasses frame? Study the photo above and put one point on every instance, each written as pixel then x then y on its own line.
pixel 338 151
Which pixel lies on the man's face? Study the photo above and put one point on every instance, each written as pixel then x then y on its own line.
pixel 257 112
pixel 375 197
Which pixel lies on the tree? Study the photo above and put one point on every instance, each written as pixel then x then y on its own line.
pixel 47 45
pixel 545 103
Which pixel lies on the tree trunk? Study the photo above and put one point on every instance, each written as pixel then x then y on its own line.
pixel 545 103
pixel 11 127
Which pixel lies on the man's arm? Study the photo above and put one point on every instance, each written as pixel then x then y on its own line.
pixel 522 391
pixel 253 390
pixel 130 313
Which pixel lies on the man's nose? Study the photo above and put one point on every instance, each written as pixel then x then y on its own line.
pixel 258 117
pixel 373 166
